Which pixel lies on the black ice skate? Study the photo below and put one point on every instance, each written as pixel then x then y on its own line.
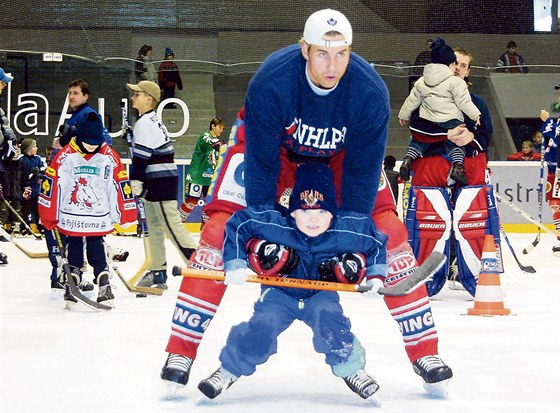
pixel 105 294
pixel 435 373
pixel 69 299
pixel 176 372
pixel 556 250
pixel 404 171
pixel 219 381
pixel 3 259
pixel 457 174
pixel 362 384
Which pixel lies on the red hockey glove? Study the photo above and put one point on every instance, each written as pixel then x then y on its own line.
pixel 268 258
pixel 348 268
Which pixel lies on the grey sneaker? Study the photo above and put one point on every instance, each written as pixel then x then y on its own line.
pixel 154 279
pixel 219 381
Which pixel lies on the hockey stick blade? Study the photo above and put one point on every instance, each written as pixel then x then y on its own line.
pixel 130 287
pixel 428 268
pixel 525 268
pixel 30 254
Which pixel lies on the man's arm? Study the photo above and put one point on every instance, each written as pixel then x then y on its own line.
pixel 363 159
pixel 262 154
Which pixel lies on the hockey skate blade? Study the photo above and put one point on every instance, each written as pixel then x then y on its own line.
pixel 203 400
pixel 374 401
pixel 439 390
pixel 173 388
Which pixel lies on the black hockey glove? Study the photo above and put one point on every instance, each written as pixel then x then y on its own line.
pixel 268 258
pixel 347 268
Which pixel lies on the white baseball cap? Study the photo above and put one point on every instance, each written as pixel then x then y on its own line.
pixel 324 21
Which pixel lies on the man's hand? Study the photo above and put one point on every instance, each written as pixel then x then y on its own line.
pixel 544 115
pixel 137 187
pixel 460 135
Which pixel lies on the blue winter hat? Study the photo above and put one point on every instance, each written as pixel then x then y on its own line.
pixel 90 129
pixel 442 53
pixel 169 51
pixel 314 188
pixel 5 77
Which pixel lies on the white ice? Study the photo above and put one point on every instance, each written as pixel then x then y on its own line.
pixel 55 360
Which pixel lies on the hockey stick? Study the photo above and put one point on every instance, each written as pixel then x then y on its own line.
pixel 30 254
pixel 533 244
pixel 70 282
pixel 525 268
pixel 19 217
pixel 131 287
pixel 525 214
pixel 424 271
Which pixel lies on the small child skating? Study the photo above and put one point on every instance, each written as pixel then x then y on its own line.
pixel 33 168
pixel 312 243
pixel 86 190
pixel 442 98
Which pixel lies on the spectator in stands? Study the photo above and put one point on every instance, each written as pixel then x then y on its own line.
pixel 537 141
pixel 169 77
pixel 526 153
pixel 422 59
pixel 144 66
pixel 511 61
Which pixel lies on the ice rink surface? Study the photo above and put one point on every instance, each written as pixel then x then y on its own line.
pixel 54 360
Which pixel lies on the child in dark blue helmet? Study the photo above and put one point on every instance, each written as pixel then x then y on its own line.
pixel 313 242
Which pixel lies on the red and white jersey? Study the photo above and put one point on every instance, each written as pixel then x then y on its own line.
pixel 85 194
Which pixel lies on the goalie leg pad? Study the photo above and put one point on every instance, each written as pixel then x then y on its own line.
pixel 474 216
pixel 428 221
pixel 198 300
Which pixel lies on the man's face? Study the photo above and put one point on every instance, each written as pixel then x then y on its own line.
pixel 326 64
pixel 76 97
pixel 462 68
pixel 312 222
pixel 3 85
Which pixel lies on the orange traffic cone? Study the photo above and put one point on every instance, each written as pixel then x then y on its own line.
pixel 488 299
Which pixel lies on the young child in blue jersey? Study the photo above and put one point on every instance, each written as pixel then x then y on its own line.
pixel 320 246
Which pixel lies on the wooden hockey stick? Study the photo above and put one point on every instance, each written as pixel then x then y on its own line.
pixel 19 217
pixel 424 271
pixel 30 254
pixel 524 214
